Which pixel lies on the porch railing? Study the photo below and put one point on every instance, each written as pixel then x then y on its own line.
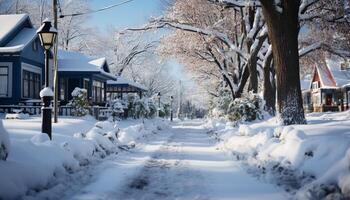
pixel 99 112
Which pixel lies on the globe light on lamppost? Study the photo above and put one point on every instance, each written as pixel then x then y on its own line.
pixel 47 35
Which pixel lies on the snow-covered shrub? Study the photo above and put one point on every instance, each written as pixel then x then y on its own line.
pixel 247 108
pixel 4 143
pixel 117 106
pixel 220 105
pixel 79 102
pixel 141 108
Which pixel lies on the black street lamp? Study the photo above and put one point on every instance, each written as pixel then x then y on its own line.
pixel 158 96
pixel 47 35
pixel 171 108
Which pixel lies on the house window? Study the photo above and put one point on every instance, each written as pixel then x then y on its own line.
pixel 86 84
pixel 98 91
pixel 4 81
pixel 315 85
pixel 344 66
pixel 31 84
pixel 62 89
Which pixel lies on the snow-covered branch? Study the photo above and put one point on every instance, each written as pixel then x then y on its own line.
pixel 163 23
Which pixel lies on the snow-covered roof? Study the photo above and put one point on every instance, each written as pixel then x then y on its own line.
pixel 341 77
pixel 123 81
pixel 9 22
pixel 99 62
pixel 331 75
pixel 68 55
pixel 326 77
pixel 26 35
pixel 76 62
pixel 22 39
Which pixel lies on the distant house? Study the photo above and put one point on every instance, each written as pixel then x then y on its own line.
pixel 21 60
pixel 329 87
pixel 78 70
pixel 117 88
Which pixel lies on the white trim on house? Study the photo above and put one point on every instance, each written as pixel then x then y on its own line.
pixel 30 68
pixel 10 75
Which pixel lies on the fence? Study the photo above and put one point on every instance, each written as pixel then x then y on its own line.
pixel 99 112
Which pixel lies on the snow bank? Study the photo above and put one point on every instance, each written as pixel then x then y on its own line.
pixel 313 155
pixel 129 135
pixel 35 160
pixel 4 143
pixel 16 116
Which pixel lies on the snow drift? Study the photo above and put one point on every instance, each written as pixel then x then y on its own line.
pixel 311 161
pixel 35 160
pixel 4 143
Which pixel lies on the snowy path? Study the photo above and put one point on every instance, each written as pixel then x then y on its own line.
pixel 180 163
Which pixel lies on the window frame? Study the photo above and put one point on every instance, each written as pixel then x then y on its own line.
pixel 32 70
pixel 9 66
pixel 98 89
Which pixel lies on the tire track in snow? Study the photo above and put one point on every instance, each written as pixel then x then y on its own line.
pixel 165 176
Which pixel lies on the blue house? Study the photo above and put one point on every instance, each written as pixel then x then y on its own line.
pixel 22 69
pixel 78 70
pixel 21 60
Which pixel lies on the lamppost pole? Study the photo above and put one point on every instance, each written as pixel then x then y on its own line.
pixel 171 108
pixel 46 126
pixel 47 35
pixel 47 68
pixel 158 104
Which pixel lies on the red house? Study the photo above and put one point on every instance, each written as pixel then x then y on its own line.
pixel 329 87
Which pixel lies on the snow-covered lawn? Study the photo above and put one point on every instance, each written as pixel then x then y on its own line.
pixel 311 161
pixel 181 162
pixel 35 162
pixel 135 160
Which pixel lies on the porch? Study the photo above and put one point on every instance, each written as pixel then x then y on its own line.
pixel 116 89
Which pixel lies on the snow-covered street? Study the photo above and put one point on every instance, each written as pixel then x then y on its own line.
pixel 181 162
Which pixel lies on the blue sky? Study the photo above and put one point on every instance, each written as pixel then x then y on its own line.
pixel 132 14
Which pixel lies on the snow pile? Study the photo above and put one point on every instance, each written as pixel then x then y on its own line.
pixel 35 160
pixel 129 135
pixel 311 160
pixel 46 92
pixel 16 116
pixel 4 143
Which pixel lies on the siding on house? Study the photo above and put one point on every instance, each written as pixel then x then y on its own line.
pixel 17 39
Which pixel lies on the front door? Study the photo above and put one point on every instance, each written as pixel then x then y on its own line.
pixel 329 99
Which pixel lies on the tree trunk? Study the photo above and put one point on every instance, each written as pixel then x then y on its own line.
pixel 269 89
pixel 283 29
pixel 252 61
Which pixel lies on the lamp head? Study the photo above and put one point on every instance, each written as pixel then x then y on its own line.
pixel 47 34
